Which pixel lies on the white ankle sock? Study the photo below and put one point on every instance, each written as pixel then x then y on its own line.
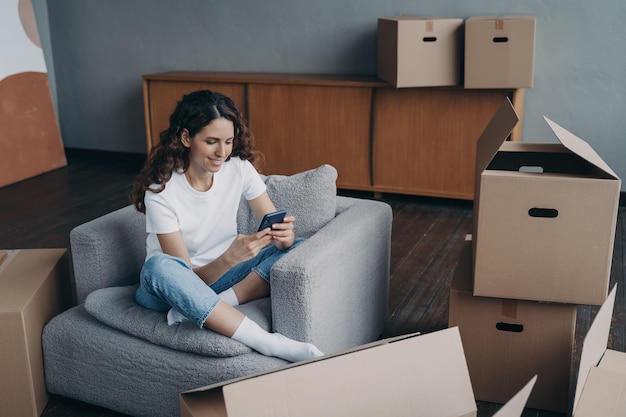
pixel 229 297
pixel 274 344
pixel 174 317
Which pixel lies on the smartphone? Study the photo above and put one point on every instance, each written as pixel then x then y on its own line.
pixel 270 218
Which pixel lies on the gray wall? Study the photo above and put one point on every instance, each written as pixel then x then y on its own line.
pixel 100 49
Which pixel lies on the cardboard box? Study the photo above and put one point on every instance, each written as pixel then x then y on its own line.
pixel 419 52
pixel 601 384
pixel 506 342
pixel 406 376
pixel 545 217
pixel 499 52
pixel 34 287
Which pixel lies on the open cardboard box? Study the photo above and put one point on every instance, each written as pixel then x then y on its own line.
pixel 601 384
pixel 405 376
pixel 507 341
pixel 544 216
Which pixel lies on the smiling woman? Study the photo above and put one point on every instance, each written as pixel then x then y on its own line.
pixel 197 266
pixel 198 115
pixel 208 150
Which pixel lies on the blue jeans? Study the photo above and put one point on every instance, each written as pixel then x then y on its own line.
pixel 167 281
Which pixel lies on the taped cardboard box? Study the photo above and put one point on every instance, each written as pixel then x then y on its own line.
pixel 34 287
pixel 508 341
pixel 405 376
pixel 419 52
pixel 544 216
pixel 601 384
pixel 499 52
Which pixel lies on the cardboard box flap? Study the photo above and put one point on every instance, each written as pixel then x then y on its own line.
pixel 614 360
pixel 420 375
pixel 580 148
pixel 366 382
pixel 302 363
pixel 594 344
pixel 515 406
pixel 604 394
pixel 496 132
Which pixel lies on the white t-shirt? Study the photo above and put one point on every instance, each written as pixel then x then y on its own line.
pixel 206 220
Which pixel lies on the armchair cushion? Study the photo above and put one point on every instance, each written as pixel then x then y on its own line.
pixel 116 307
pixel 310 196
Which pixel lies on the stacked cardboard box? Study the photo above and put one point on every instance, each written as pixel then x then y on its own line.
pixel 497 52
pixel 544 227
pixel 419 52
pixel 507 341
pixel 545 217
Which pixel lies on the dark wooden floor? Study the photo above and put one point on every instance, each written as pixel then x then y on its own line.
pixel 426 241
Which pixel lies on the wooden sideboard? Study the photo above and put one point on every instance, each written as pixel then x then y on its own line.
pixel 419 141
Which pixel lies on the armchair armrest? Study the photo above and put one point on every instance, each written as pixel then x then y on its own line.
pixel 332 290
pixel 108 251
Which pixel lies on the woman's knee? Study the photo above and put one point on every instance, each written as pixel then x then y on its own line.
pixel 149 300
pixel 160 264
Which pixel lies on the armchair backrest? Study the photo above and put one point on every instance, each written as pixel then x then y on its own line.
pixel 310 196
pixel 108 251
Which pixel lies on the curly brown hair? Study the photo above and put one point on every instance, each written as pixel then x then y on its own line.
pixel 193 112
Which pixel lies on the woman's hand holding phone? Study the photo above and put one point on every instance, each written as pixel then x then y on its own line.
pixel 272 218
pixel 280 228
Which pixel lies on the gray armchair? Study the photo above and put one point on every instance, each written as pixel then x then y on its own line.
pixel 331 290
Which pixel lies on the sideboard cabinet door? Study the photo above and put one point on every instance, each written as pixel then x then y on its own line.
pixel 425 138
pixel 299 127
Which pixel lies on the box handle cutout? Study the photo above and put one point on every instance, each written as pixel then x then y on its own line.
pixel 531 168
pixel 429 39
pixel 549 213
pixel 510 327
pixel 500 39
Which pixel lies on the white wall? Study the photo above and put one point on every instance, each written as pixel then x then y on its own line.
pixel 101 49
